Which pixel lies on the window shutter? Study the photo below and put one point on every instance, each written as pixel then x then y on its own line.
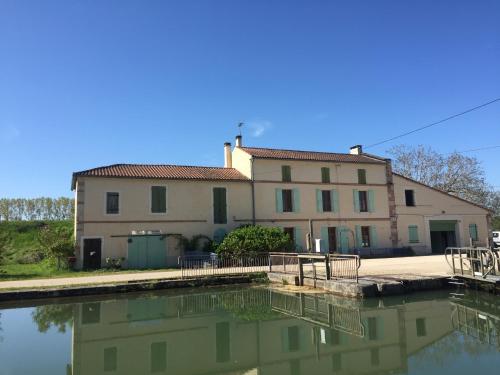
pixel 297 233
pixel 286 173
pixel 296 200
pixel 413 233
pixel 335 201
pixel 319 200
pixel 324 240
pixel 279 200
pixel 361 176
pixel 373 236
pixel 358 236
pixel 355 195
pixel 371 201
pixel 158 199
pixel 337 235
pixel 220 208
pixel 325 175
pixel 473 231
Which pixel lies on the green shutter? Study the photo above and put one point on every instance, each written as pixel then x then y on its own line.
pixel 373 237
pixel 220 206
pixel 473 232
pixel 355 196
pixel 361 176
pixel 325 246
pixel 335 201
pixel 371 201
pixel 286 173
pixel 296 200
pixel 319 201
pixel 297 233
pixel 358 236
pixel 325 175
pixel 279 200
pixel 158 199
pixel 413 233
pixel 344 239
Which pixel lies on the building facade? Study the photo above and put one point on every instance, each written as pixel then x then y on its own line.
pixel 352 202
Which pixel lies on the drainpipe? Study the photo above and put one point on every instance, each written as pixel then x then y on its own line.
pixel 253 190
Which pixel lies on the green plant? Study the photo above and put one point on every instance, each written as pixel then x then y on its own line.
pixel 56 243
pixel 253 240
pixel 114 263
pixel 197 242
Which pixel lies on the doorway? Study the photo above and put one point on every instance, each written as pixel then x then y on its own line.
pixel 92 248
pixel 332 239
pixel 443 235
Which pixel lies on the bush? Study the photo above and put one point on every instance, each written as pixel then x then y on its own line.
pixel 253 240
pixel 57 244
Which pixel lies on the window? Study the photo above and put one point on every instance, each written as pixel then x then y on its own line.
pixel 421 327
pixel 363 201
pixel 158 358
pixel 220 205
pixel 413 233
pixel 110 359
pixel 158 199
pixel 365 236
pixel 326 196
pixel 291 339
pixel 222 342
pixel 325 175
pixel 362 176
pixel 290 231
pixel 112 203
pixel 286 173
pixel 410 198
pixel 473 232
pixel 287 200
pixel 372 328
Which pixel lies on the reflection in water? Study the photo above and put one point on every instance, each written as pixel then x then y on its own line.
pixel 260 331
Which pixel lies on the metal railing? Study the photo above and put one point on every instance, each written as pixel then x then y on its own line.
pixel 344 267
pixel 475 262
pixel 214 265
pixel 284 263
pixel 314 266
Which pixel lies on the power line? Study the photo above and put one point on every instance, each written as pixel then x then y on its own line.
pixel 474 149
pixel 435 123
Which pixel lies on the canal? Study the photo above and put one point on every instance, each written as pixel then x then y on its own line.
pixel 252 331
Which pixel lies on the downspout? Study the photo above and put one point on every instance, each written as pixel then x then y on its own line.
pixel 253 190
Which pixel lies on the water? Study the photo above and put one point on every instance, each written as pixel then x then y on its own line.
pixel 252 331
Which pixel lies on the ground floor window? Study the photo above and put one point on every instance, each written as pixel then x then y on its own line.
pixel 413 233
pixel 365 237
pixel 473 232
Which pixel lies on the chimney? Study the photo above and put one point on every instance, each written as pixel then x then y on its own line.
pixel 356 150
pixel 239 141
pixel 228 158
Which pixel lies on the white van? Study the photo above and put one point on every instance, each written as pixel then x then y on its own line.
pixel 496 238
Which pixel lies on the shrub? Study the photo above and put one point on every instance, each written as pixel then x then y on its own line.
pixel 253 240
pixel 57 244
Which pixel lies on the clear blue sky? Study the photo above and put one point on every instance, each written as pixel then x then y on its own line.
pixel 90 83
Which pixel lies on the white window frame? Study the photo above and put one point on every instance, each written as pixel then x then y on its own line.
pixel 151 200
pixel 106 202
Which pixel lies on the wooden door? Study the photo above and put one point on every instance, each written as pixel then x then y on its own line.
pixel 92 253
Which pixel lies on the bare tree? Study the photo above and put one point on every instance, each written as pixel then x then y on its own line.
pixel 454 173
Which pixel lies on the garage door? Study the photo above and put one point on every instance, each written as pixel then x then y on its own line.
pixel 147 252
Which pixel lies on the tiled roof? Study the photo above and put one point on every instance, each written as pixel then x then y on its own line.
pixel 269 153
pixel 167 172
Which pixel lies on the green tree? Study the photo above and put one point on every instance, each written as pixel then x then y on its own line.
pixel 253 240
pixel 56 243
pixel 58 316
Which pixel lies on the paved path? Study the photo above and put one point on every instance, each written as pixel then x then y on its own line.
pixel 396 267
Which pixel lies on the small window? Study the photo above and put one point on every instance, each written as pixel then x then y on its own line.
pixel 363 201
pixel 110 359
pixel 362 176
pixel 220 205
pixel 287 196
pixel 365 236
pixel 327 200
pixel 421 327
pixel 410 198
pixel 325 175
pixel 158 358
pixel 112 203
pixel 158 199
pixel 286 173
pixel 413 233
pixel 291 339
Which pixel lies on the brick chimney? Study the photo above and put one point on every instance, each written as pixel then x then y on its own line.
pixel 228 157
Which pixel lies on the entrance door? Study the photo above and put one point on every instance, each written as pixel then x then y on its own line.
pixel 147 252
pixel 443 235
pixel 332 239
pixel 92 253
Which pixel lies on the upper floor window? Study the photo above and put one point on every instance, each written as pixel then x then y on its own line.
pixel 112 203
pixel 326 196
pixel 220 205
pixel 410 198
pixel 325 175
pixel 286 173
pixel 287 200
pixel 363 201
pixel 158 199
pixel 362 176
pixel 473 232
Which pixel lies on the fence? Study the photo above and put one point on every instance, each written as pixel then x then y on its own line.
pixel 473 262
pixel 199 266
pixel 284 263
pixel 344 267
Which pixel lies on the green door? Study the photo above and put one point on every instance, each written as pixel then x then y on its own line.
pixel 344 240
pixel 147 252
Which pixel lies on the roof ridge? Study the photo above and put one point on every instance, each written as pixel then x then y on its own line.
pixel 284 149
pixel 156 165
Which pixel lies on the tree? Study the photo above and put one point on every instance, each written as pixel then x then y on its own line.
pixel 56 243
pixel 58 316
pixel 455 173
pixel 253 240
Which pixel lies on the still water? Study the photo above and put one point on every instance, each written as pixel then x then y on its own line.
pixel 252 331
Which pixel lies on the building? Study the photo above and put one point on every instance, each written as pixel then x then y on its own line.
pixel 353 202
